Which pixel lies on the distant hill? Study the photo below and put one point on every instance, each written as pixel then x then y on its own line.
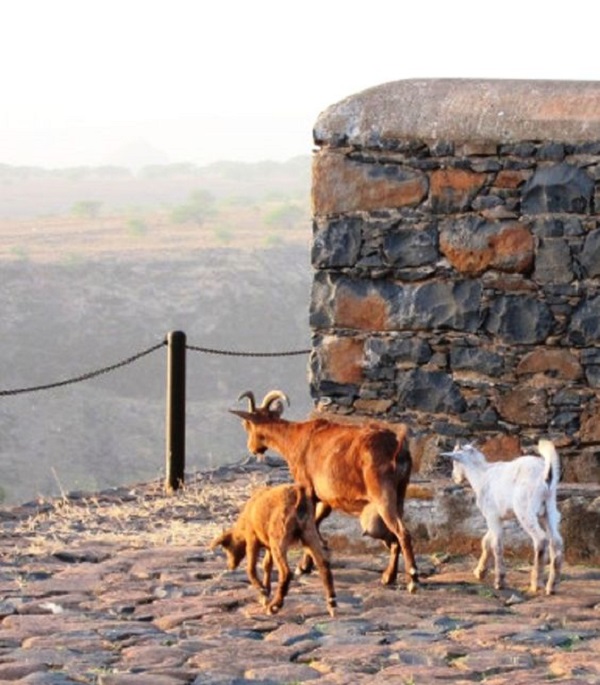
pixel 32 192
pixel 81 293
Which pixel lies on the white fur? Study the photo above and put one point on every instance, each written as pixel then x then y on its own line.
pixel 524 487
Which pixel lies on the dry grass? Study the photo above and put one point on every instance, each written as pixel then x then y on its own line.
pixel 143 516
pixel 70 240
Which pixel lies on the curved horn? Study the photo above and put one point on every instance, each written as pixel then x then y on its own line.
pixel 273 395
pixel 251 401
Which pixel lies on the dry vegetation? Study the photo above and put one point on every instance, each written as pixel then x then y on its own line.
pixel 65 240
pixel 138 517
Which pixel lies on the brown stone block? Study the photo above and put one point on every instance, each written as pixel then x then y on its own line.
pixel 557 363
pixel 582 467
pixel 502 448
pixel 511 178
pixel 513 249
pixel 452 190
pixel 363 313
pixel 342 359
pixel 373 406
pixel 343 185
pixel 590 425
pixel 524 406
pixel 473 247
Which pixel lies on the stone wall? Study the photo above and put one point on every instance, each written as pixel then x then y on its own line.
pixel 457 264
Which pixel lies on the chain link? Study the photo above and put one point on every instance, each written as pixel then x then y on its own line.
pixel 231 353
pixel 85 376
pixel 139 355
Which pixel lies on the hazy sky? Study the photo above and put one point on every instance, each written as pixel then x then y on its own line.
pixel 201 80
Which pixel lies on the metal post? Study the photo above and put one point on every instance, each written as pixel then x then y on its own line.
pixel 175 420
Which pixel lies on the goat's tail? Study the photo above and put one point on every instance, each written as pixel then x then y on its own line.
pixel 552 463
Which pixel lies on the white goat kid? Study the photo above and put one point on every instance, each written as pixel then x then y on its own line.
pixel 524 487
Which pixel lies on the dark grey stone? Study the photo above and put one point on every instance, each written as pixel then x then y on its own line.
pixel 585 323
pixel 553 261
pixel 429 391
pixel 590 257
pixel 476 359
pixel 337 244
pixel 551 152
pixel 558 188
pixel 411 246
pixel 519 319
pixel 393 351
pixel 438 305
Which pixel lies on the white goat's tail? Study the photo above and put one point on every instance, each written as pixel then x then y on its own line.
pixel 552 463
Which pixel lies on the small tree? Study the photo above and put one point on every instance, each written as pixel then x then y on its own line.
pixel 200 206
pixel 86 209
pixel 285 216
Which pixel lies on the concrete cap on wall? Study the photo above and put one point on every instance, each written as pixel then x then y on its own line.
pixel 502 111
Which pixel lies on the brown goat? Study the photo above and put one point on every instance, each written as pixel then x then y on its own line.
pixel 275 518
pixel 362 470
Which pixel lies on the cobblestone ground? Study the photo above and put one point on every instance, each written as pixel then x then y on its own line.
pixel 121 589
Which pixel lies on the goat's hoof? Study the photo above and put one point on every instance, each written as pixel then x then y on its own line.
pixel 479 573
pixel 273 609
pixel 413 586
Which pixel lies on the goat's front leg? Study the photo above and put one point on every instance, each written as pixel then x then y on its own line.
pixel 252 549
pixel 306 564
pixel 267 570
pixel 284 576
pixel 495 531
pixel 391 572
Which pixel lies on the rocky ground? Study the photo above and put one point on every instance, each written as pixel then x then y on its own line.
pixel 120 588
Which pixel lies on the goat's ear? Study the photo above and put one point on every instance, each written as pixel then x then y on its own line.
pixel 448 454
pixel 224 540
pixel 455 455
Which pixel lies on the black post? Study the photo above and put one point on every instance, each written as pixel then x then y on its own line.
pixel 175 423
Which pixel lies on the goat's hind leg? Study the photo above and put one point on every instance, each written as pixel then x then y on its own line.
pixel 551 525
pixel 372 524
pixel 529 522
pixel 397 527
pixel 322 511
pixel 312 546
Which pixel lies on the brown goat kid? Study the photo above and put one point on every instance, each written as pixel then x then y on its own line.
pixel 361 470
pixel 274 519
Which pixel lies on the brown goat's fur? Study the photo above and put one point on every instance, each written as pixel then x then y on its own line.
pixel 274 519
pixel 358 469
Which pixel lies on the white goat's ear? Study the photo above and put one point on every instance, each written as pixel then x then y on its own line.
pixel 456 455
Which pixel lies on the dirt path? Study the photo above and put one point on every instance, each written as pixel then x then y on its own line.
pixel 120 589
